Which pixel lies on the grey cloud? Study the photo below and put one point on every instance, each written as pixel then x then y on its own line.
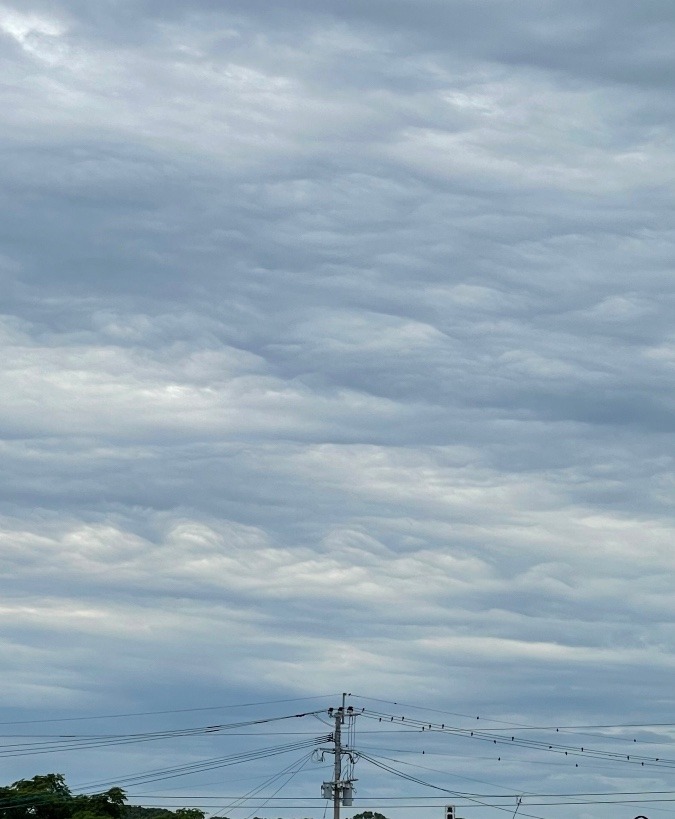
pixel 613 41
pixel 337 350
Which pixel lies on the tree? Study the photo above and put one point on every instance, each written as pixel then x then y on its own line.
pixel 110 804
pixel 48 797
pixel 368 814
pixel 190 813
pixel 139 812
pixel 43 797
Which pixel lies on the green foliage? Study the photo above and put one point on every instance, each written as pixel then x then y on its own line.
pixel 48 797
pixel 189 813
pixel 369 814
pixel 43 797
pixel 139 812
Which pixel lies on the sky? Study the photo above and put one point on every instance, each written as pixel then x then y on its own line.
pixel 338 356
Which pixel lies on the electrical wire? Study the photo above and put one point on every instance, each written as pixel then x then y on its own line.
pixel 390 723
pixel 515 741
pixel 253 793
pixel 283 785
pixel 170 711
pixel 668 796
pixel 208 764
pixel 453 793
pixel 573 729
pixel 70 743
pixel 434 770
pixel 646 797
pixel 18 802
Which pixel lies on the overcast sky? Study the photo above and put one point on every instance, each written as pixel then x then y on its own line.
pixel 338 355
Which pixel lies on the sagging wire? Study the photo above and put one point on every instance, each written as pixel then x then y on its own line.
pixel 488 736
pixel 238 801
pixel 209 764
pixel 578 730
pixel 457 794
pixel 281 787
pixel 170 711
pixel 72 742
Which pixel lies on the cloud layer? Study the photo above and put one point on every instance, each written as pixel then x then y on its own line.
pixel 338 355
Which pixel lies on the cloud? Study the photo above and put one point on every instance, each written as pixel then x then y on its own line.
pixel 337 352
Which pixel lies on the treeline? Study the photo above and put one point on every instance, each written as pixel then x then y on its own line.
pixel 139 812
pixel 48 797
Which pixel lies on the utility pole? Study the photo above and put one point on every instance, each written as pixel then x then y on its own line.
pixel 340 790
pixel 337 770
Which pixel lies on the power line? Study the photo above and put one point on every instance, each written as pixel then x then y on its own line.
pixel 387 723
pixel 516 741
pixel 290 776
pixel 171 711
pixel 69 743
pixel 401 797
pixel 472 800
pixel 253 793
pixel 208 764
pixel 523 726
